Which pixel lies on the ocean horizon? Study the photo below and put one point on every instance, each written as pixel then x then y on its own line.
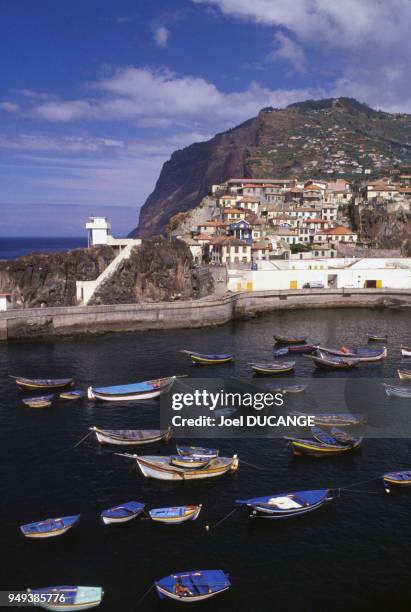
pixel 13 247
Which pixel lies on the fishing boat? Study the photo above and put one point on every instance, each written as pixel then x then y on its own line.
pixel 286 505
pixel 290 339
pixel 338 420
pixel 38 384
pixel 67 598
pixel 280 352
pixel 49 528
pixel 131 437
pixel 393 391
pixel 122 513
pixel 330 362
pixel 193 586
pixel 377 338
pixel 147 389
pixel 397 479
pixel 162 468
pixel 315 448
pixel 203 359
pixel 343 437
pixel 198 451
pixel 189 461
pixel 301 348
pixel 41 401
pixel 405 351
pixel 362 354
pixel 176 515
pixel 74 394
pixel 404 374
pixel 273 368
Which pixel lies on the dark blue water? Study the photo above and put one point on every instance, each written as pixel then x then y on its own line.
pixel 10 248
pixel 353 555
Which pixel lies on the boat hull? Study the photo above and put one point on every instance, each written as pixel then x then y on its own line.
pixel 153 467
pixel 392 391
pixel 376 356
pixel 406 351
pixel 86 598
pixel 107 396
pixel 71 521
pixel 153 436
pixel 268 370
pixel 42 385
pixel 392 479
pixel 312 449
pixel 167 594
pixel 190 515
pixel 404 374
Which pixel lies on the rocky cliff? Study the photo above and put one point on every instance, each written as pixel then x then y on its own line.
pixel 304 139
pixel 158 270
pixel 387 230
pixel 49 279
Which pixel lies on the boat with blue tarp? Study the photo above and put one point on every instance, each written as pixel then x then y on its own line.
pixel 209 359
pixel 280 352
pixel 72 394
pixel 286 505
pixel 193 586
pixel 68 598
pixel 397 479
pixel 122 513
pixel 49 528
pixel 147 389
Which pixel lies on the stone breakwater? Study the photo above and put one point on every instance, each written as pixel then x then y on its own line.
pixel 71 320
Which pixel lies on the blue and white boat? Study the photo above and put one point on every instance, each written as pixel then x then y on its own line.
pixel 280 352
pixel 197 451
pixel 286 505
pixel 49 528
pixel 147 389
pixel 189 461
pixel 68 598
pixel 72 394
pixel 122 513
pixel 193 586
pixel 175 515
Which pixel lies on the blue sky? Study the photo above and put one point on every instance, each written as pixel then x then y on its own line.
pixel 95 95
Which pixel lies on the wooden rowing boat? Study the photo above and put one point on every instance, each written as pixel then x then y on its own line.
pixel 377 338
pixel 198 451
pixel 73 394
pixel 290 339
pixel 122 513
pixel 405 351
pixel 147 389
pixel 301 348
pixel 49 528
pixel 397 479
pixel 189 461
pixel 286 505
pixel 404 374
pixel 273 368
pixel 362 354
pixel 131 437
pixel 314 448
pixel 175 515
pixel 395 391
pixel 189 587
pixel 330 362
pixel 280 352
pixel 38 384
pixel 41 401
pixel 67 598
pixel 204 359
pixel 162 468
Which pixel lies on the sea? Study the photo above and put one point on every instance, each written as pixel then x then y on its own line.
pixel 10 248
pixel 354 554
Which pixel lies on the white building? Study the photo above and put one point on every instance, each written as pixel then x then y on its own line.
pixel 98 230
pixel 4 301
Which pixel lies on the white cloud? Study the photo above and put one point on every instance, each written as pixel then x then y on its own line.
pixel 287 50
pixel 9 107
pixel 61 144
pixel 161 36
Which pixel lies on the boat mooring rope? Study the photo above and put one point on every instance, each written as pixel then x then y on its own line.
pixel 139 601
pixel 208 527
pixel 81 441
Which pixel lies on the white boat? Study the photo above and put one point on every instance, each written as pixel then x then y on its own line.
pixel 131 437
pixel 404 374
pixel 393 391
pixel 405 351
pixel 176 515
pixel 67 598
pixel 161 468
pixel 122 513
pixel 360 354
pixel 147 389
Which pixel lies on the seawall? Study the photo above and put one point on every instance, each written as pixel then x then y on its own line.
pixel 68 320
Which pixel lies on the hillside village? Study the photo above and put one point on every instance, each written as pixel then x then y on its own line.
pixel 245 221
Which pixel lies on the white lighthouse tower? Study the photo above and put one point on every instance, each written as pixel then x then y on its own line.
pixel 98 231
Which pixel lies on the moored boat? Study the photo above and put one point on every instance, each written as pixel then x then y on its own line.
pixel 377 338
pixel 404 374
pixel 122 513
pixel 72 394
pixel 39 384
pixel 49 528
pixel 280 352
pixel 147 389
pixel 286 505
pixel 397 479
pixel 162 468
pixel 395 391
pixel 193 586
pixel 330 362
pixel 68 598
pixel 189 461
pixel 131 437
pixel 273 368
pixel 290 339
pixel 41 401
pixel 314 448
pixel 301 348
pixel 362 354
pixel 175 515
pixel 209 359
pixel 405 351
pixel 198 451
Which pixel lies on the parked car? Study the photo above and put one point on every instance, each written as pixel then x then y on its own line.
pixel 313 285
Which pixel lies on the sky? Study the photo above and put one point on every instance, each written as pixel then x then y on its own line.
pixel 96 95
